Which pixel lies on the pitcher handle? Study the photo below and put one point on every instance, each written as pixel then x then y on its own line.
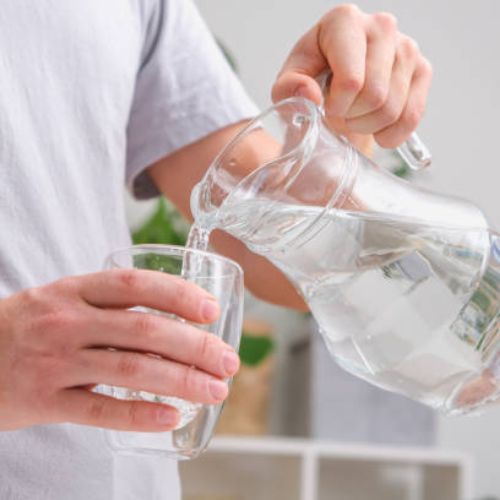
pixel 413 151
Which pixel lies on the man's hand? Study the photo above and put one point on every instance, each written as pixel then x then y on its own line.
pixel 53 351
pixel 380 79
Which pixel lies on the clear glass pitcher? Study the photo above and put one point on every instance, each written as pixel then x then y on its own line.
pixel 403 283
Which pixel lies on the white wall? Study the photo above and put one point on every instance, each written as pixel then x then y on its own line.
pixel 462 40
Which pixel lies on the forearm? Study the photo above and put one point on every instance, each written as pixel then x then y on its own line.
pixel 261 277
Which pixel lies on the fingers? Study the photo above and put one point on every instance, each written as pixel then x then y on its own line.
pixel 380 55
pixel 80 406
pixel 165 337
pixel 380 79
pixel 409 119
pixel 397 96
pixel 296 84
pixel 147 373
pixel 342 38
pixel 296 78
pixel 125 288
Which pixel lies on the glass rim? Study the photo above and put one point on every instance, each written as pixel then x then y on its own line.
pixel 255 123
pixel 173 251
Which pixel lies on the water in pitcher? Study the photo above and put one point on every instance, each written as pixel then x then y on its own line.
pixel 403 305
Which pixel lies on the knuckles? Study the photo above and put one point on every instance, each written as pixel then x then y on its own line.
pixel 188 380
pixel 36 300
pixel 146 325
pixel 208 345
pixel 375 95
pixel 351 83
pixel 407 47
pixel 411 118
pixel 387 21
pixel 129 365
pixel 130 279
pixel 390 114
pixel 344 13
pixel 425 68
pixel 43 349
pixel 406 124
pixel 134 415
pixel 65 286
pixel 349 10
pixel 54 332
pixel 55 323
pixel 386 140
pixel 96 409
pixel 45 374
pixel 49 320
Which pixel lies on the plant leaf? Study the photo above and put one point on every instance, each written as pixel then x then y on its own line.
pixel 164 226
pixel 255 348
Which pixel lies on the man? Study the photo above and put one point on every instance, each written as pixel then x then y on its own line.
pixel 93 93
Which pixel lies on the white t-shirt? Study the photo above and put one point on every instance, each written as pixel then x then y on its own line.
pixel 91 93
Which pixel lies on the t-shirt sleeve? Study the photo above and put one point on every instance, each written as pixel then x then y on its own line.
pixel 185 89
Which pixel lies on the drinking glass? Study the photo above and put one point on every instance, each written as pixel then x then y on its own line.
pixel 221 277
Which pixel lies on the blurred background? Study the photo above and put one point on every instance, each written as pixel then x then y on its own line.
pixel 289 386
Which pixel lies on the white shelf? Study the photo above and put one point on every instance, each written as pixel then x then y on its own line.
pixel 237 468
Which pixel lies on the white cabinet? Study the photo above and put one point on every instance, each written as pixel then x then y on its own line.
pixel 300 469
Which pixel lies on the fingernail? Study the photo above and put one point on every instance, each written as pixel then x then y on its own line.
pixel 209 309
pixel 167 416
pixel 231 362
pixel 218 389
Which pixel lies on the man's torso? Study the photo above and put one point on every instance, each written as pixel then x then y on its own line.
pixel 67 71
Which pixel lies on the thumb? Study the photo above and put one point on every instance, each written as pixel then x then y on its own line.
pixel 292 83
pixel 303 64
